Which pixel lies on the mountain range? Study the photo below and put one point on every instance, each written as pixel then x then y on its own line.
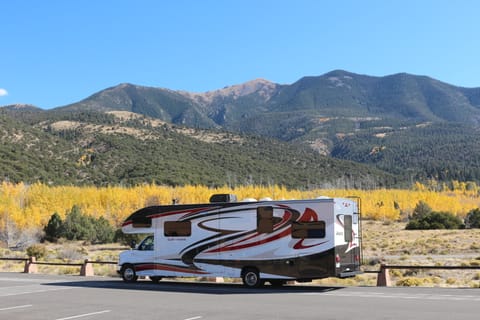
pixel 404 127
pixel 337 93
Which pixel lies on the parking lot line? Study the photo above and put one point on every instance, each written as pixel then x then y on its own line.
pixel 84 315
pixel 36 289
pixel 16 307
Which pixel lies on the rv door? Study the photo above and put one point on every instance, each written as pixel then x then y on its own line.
pixel 348 259
pixel 144 253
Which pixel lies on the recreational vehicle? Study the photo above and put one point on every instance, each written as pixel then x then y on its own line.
pixel 257 241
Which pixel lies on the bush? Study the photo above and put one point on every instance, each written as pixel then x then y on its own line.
pixel 104 232
pixel 435 220
pixel 37 250
pixel 473 219
pixel 16 238
pixel 54 228
pixel 409 282
pixel 78 226
pixel 421 210
pixel 71 253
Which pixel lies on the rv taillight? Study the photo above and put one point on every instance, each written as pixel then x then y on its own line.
pixel 337 259
pixel 357 258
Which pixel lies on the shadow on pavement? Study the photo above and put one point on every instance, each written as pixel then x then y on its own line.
pixel 191 287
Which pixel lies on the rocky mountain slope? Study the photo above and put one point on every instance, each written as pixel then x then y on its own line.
pixel 413 127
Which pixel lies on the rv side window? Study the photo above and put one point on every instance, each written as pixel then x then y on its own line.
pixel 347 221
pixel 142 222
pixel 177 228
pixel 314 229
pixel 265 220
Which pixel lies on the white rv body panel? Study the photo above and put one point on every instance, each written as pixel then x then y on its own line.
pixel 297 239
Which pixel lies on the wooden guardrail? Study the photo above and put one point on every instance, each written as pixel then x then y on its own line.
pixel 86 268
pixel 383 278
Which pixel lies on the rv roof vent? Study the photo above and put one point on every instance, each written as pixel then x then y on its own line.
pixel 223 198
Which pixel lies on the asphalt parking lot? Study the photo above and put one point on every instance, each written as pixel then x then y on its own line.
pixel 33 296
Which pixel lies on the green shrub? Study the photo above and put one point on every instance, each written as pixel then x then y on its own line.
pixel 435 220
pixel 78 226
pixel 54 228
pixel 421 210
pixel 38 251
pixel 473 219
pixel 104 232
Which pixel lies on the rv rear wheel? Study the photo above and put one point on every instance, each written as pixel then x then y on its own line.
pixel 251 278
pixel 128 273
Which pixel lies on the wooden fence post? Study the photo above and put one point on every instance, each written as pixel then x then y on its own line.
pixel 30 265
pixel 383 278
pixel 87 269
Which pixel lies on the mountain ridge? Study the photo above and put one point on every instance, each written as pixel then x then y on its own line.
pixel 399 95
pixel 403 124
pixel 403 95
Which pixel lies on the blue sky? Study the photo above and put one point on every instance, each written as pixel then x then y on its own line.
pixel 56 52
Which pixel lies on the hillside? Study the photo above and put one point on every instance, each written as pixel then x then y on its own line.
pixel 29 154
pixel 127 148
pixel 413 127
pixel 442 151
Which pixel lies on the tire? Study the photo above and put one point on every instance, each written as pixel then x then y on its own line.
pixel 155 279
pixel 128 273
pixel 251 278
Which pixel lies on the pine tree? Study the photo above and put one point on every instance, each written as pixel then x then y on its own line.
pixel 54 228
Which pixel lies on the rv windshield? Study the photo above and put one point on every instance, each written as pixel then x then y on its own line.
pixel 147 244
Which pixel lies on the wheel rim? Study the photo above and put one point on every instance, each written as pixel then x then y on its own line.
pixel 129 274
pixel 251 279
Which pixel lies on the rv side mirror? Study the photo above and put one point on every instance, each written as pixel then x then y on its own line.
pixel 133 244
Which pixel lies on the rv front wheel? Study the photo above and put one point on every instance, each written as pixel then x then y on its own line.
pixel 128 273
pixel 251 278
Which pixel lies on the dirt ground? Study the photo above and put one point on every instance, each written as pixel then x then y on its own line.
pixel 391 244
